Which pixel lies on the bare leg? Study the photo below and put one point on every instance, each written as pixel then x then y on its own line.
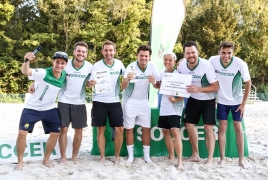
pixel 222 140
pixel 210 142
pixel 240 142
pixel 20 144
pixel 194 142
pixel 178 146
pixel 76 143
pixel 118 140
pixel 63 144
pixel 51 143
pixel 101 142
pixel 146 137
pixel 169 143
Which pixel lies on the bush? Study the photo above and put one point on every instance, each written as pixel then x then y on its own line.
pixel 12 98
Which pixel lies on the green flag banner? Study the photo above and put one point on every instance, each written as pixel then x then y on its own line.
pixel 158 146
pixel 166 22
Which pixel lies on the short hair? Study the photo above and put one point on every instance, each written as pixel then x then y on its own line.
pixel 81 43
pixel 108 42
pixel 172 54
pixel 226 44
pixel 144 47
pixel 189 44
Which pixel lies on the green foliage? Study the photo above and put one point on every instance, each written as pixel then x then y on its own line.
pixel 12 98
pixel 58 24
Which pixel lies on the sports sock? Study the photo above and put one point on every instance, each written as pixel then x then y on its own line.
pixel 130 153
pixel 146 154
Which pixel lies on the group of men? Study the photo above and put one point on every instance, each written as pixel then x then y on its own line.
pixel 71 77
pixel 221 76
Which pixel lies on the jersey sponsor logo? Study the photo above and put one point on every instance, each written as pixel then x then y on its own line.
pixel 141 77
pixel 44 92
pixel 114 72
pixel 196 77
pixel 76 75
pixel 224 74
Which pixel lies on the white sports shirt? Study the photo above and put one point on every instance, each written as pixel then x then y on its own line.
pixel 203 75
pixel 116 70
pixel 138 91
pixel 230 79
pixel 74 89
pixel 168 108
pixel 47 88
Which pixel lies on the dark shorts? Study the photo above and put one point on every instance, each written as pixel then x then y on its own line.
pixel 223 111
pixel 50 120
pixel 100 111
pixel 169 122
pixel 77 114
pixel 195 108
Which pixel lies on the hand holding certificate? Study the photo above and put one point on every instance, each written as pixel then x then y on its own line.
pixel 175 84
pixel 103 81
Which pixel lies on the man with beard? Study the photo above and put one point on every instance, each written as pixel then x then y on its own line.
pixel 202 99
pixel 107 104
pixel 71 106
pixel 230 71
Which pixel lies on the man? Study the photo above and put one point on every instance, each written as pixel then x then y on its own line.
pixel 135 100
pixel 107 104
pixel 201 101
pixel 230 71
pixel 71 106
pixel 41 104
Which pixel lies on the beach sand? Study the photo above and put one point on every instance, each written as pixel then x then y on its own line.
pixel 256 122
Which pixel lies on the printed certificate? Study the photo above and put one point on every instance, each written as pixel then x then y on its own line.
pixel 174 84
pixel 103 83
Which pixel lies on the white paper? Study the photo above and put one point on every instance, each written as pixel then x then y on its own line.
pixel 174 84
pixel 103 83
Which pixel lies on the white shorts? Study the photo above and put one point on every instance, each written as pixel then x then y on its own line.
pixel 137 113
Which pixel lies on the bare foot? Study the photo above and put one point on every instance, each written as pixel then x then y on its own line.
pixel 171 157
pixel 243 165
pixel 74 160
pixel 102 160
pixel 18 167
pixel 221 162
pixel 209 163
pixel 63 162
pixel 193 158
pixel 47 164
pixel 116 160
pixel 180 166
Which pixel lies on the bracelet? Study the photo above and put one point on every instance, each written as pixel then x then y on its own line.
pixel 154 81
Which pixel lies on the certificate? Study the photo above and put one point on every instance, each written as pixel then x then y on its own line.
pixel 174 84
pixel 103 81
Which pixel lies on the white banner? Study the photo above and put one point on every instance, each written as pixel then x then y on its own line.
pixel 166 21
pixel 35 148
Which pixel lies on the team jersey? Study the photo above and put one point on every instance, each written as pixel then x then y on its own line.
pixel 47 88
pixel 202 76
pixel 74 88
pixel 168 108
pixel 138 91
pixel 230 79
pixel 116 70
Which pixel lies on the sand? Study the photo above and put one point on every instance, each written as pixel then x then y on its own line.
pixel 256 122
